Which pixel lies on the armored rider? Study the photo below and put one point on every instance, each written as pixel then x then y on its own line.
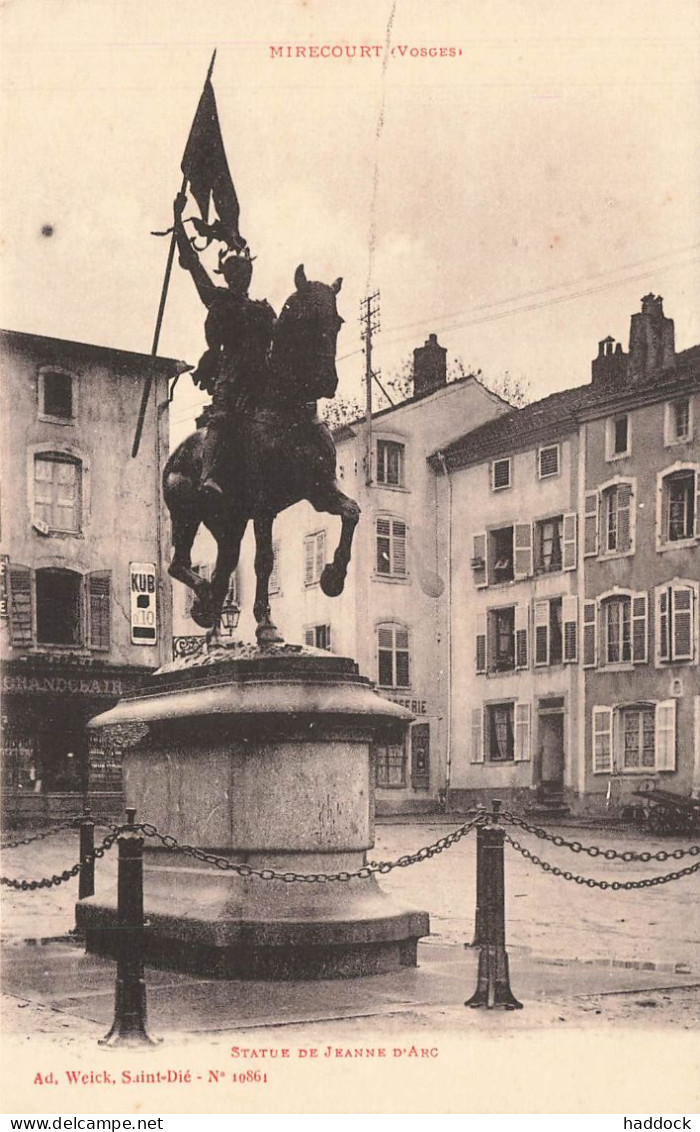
pixel 234 368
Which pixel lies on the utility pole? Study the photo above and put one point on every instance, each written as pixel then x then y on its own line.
pixel 370 326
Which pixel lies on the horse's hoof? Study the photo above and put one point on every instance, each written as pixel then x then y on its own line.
pixel 202 616
pixel 268 635
pixel 332 580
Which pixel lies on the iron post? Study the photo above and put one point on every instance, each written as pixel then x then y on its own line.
pixel 86 882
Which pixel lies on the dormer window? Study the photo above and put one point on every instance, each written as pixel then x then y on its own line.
pixel 57 395
pixel 501 474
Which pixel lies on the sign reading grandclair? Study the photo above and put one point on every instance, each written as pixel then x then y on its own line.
pixel 144 613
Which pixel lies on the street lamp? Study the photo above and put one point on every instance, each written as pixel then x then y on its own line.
pixel 230 615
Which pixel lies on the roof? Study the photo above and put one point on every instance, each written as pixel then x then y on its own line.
pixel 561 414
pixel 105 354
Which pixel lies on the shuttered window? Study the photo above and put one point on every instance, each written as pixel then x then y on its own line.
pixel 570 628
pixel 318 637
pixel 20 605
pixel 393 667
pixel 521 636
pixel 314 557
pixel 617 530
pixel 57 493
pixel 58 607
pixel 590 634
pixel 390 463
pixel 501 474
pixel 679 502
pixel 677 622
pixel 99 610
pixel 548 462
pixel 636 738
pixel 391 547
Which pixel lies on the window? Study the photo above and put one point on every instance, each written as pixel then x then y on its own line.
pixel 57 493
pixel 501 474
pixel 676 622
pixel 617 437
pixel 392 656
pixel 390 763
pixel 318 637
pixel 56 395
pixel 391 548
pixel 58 607
pixel 500 565
pixel 390 463
pixel 54 606
pixel 634 738
pixel 678 421
pixel 502 638
pixel 678 501
pixel 500 733
pixel 617 519
pixel 548 461
pixel 314 557
pixel 623 630
pixel 548 544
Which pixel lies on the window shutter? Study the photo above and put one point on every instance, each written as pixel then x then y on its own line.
pixel 477 752
pixel 624 521
pixel 521 643
pixel 697 504
pixel 682 623
pixel 639 628
pixel 522 733
pixel 602 740
pixel 569 551
pixel 569 616
pixel 665 741
pixel 309 550
pixel 590 634
pixel 320 555
pixel 398 555
pixel 541 632
pixel 309 637
pixel 99 609
pixel 663 624
pixel 479 557
pixel 481 642
pixel 590 524
pixel 522 546
pixel 20 594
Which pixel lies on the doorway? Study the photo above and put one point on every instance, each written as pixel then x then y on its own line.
pixel 549 764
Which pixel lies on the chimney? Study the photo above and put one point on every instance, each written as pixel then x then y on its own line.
pixel 610 367
pixel 652 340
pixel 429 367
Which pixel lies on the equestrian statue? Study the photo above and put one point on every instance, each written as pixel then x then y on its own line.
pixel 263 448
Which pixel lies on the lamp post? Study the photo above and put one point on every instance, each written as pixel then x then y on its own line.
pixel 230 616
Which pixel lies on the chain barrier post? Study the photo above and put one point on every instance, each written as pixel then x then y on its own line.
pixel 480 884
pixel 129 1026
pixel 86 882
pixel 493 979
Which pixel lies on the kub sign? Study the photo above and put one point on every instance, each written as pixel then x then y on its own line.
pixel 144 621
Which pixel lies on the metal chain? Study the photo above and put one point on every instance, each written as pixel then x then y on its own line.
pixel 67 874
pixel 590 882
pixel 70 823
pixel 363 873
pixel 594 850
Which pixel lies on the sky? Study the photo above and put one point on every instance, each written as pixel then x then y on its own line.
pixel 517 197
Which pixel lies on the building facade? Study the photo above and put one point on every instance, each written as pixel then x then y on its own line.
pixel 573 527
pixel 392 617
pixel 84 608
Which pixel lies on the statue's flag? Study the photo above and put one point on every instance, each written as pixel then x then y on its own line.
pixel 206 169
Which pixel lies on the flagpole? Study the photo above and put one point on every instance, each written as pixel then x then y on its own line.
pixel 161 311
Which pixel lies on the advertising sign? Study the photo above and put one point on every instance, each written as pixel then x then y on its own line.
pixel 144 610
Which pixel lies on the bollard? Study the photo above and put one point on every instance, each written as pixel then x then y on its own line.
pixel 480 887
pixel 129 1026
pixel 493 980
pixel 86 882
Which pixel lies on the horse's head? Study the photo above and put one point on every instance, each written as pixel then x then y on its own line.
pixel 305 340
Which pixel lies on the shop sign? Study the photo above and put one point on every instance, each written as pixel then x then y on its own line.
pixel 418 707
pixel 4 563
pixel 144 613
pixel 61 685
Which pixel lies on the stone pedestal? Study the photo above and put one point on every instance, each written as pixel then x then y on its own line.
pixel 265 758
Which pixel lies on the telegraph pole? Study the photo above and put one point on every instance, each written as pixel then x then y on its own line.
pixel 370 326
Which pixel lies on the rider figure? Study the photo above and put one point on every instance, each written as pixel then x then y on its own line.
pixel 239 334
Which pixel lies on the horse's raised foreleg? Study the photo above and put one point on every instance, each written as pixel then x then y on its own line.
pixel 266 632
pixel 336 502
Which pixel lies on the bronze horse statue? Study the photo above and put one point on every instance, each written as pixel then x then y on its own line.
pixel 280 453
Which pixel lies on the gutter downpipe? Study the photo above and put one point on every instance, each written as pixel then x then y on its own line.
pixel 448 729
